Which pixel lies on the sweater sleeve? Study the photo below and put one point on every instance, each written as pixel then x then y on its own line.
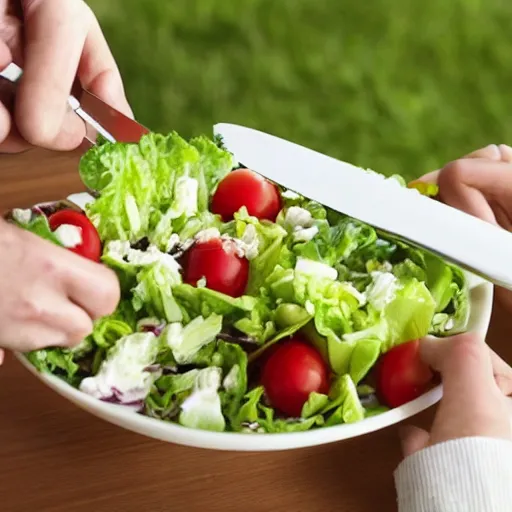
pixel 472 474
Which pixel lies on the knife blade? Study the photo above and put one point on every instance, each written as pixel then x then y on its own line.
pixel 471 243
pixel 99 117
pixel 121 127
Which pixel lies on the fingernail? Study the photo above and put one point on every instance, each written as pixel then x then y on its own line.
pixel 505 152
pixel 493 148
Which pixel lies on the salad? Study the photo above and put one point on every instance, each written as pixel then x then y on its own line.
pixel 245 307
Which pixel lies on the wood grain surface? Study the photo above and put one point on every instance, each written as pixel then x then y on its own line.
pixel 57 458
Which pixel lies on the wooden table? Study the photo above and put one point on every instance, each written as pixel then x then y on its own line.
pixel 56 458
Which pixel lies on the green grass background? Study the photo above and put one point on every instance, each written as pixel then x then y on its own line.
pixel 394 85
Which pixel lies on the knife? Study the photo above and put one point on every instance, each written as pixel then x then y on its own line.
pixel 99 118
pixel 478 246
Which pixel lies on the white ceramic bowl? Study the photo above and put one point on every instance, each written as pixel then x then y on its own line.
pixel 481 308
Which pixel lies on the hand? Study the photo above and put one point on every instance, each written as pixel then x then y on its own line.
pixel 55 41
pixel 480 184
pixel 49 296
pixel 475 382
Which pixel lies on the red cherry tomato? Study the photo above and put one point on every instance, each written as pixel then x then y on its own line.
pixel 401 375
pixel 91 244
pixel 293 371
pixel 216 260
pixel 243 187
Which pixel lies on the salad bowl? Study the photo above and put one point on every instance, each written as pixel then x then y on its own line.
pixel 481 298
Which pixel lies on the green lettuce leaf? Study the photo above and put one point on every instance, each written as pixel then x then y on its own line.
pixel 154 293
pixel 202 409
pixel 215 161
pixel 364 356
pixel 233 361
pixel 316 402
pixel 185 342
pixel 267 238
pixel 56 361
pixel 253 416
pixel 250 315
pixel 153 186
pixel 409 315
pixel 39 226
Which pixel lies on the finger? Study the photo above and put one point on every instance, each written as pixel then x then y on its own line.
pixel 472 184
pixel 430 177
pixel 5 124
pixel 91 286
pixel 465 365
pixel 490 152
pixel 506 153
pixel 413 439
pixel 502 373
pixel 55 31
pixel 2 356
pixel 35 336
pixel 55 312
pixel 472 403
pixel 14 142
pixel 98 71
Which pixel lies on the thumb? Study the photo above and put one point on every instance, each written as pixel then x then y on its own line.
pixel 413 439
pixel 472 403
pixel 465 365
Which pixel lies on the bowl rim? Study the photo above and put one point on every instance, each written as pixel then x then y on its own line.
pixel 237 441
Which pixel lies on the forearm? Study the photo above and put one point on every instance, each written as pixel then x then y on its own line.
pixel 465 475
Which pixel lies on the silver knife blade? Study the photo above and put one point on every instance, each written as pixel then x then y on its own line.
pixel 99 117
pixel 121 127
pixel 477 246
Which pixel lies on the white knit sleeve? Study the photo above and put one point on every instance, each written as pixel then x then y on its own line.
pixel 472 474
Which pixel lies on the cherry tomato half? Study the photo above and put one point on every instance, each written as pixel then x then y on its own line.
pixel 293 371
pixel 216 260
pixel 401 375
pixel 243 187
pixel 91 244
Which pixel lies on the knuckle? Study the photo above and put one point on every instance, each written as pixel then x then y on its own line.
pixel 38 130
pixel 29 309
pixel 467 347
pixel 454 173
pixel 78 331
pixel 109 294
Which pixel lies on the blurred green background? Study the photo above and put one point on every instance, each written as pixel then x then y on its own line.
pixel 397 86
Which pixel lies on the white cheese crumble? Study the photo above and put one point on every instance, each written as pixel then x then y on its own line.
pixel 247 246
pixel 290 194
pixel 305 234
pixel 315 269
pixel 68 235
pixel 207 234
pixel 21 215
pixel 119 250
pixel 297 218
pixel 173 241
pixel 382 290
